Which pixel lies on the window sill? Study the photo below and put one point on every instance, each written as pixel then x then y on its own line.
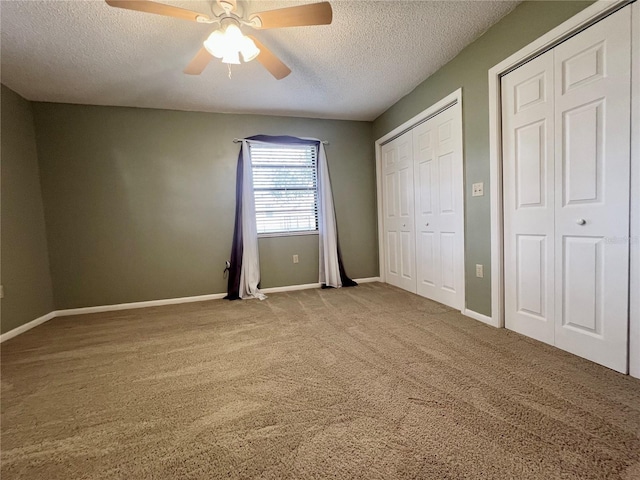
pixel 287 234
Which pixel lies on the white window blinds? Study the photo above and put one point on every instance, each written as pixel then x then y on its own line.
pixel 285 188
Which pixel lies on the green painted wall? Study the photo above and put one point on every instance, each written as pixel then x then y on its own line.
pixel 25 263
pixel 139 203
pixel 469 71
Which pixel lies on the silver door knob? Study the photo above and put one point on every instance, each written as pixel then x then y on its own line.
pixel 404 224
pixel 581 221
pixel 426 224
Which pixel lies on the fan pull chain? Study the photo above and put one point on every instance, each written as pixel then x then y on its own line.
pixel 229 67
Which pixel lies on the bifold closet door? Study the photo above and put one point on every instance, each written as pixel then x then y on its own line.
pixel 592 176
pixel 566 169
pixel 437 151
pixel 528 198
pixel 399 232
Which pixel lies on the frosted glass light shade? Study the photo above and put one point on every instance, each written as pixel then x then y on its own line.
pixel 233 34
pixel 215 44
pixel 231 56
pixel 248 49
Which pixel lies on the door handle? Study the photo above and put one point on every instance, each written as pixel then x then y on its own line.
pixel 426 224
pixel 581 221
pixel 404 224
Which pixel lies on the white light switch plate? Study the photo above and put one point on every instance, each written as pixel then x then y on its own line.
pixel 295 259
pixel 477 189
pixel 479 271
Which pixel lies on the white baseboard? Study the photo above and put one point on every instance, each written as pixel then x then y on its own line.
pixel 151 303
pixel 480 317
pixel 307 286
pixel 367 280
pixel 27 326
pixel 290 288
pixel 133 305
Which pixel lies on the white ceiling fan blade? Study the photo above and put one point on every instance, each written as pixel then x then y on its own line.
pixel 299 16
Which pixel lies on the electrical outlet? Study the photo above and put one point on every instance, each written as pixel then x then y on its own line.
pixel 479 271
pixel 295 259
pixel 1 291
pixel 477 189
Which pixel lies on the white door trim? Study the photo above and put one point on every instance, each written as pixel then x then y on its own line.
pixel 450 100
pixel 634 233
pixel 547 41
pixel 576 23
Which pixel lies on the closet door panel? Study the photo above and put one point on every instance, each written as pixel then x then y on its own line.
pixel 439 213
pixel 583 284
pixel 397 161
pixel 532 276
pixel 426 257
pixel 447 261
pixel 592 171
pixel 425 138
pixel 528 198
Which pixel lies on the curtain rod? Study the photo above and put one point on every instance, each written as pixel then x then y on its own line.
pixel 239 140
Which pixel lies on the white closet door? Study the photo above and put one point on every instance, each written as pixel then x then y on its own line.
pixel 566 169
pixel 399 233
pixel 437 147
pixel 528 189
pixel 592 171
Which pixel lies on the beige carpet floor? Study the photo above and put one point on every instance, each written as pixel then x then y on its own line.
pixel 368 382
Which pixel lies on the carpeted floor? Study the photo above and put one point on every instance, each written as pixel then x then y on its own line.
pixel 368 382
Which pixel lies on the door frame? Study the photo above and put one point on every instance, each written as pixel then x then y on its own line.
pixel 634 233
pixel 454 99
pixel 572 26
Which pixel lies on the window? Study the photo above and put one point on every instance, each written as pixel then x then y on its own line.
pixel 285 188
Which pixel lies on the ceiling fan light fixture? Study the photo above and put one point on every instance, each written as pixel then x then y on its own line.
pixel 233 34
pixel 232 57
pixel 248 49
pixel 229 43
pixel 215 44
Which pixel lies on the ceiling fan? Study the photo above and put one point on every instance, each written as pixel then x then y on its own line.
pixel 228 42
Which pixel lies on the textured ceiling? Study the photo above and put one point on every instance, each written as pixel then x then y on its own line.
pixel 373 54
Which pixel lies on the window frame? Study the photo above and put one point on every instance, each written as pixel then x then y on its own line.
pixel 291 233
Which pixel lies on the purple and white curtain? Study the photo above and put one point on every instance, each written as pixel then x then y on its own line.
pixel 244 272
